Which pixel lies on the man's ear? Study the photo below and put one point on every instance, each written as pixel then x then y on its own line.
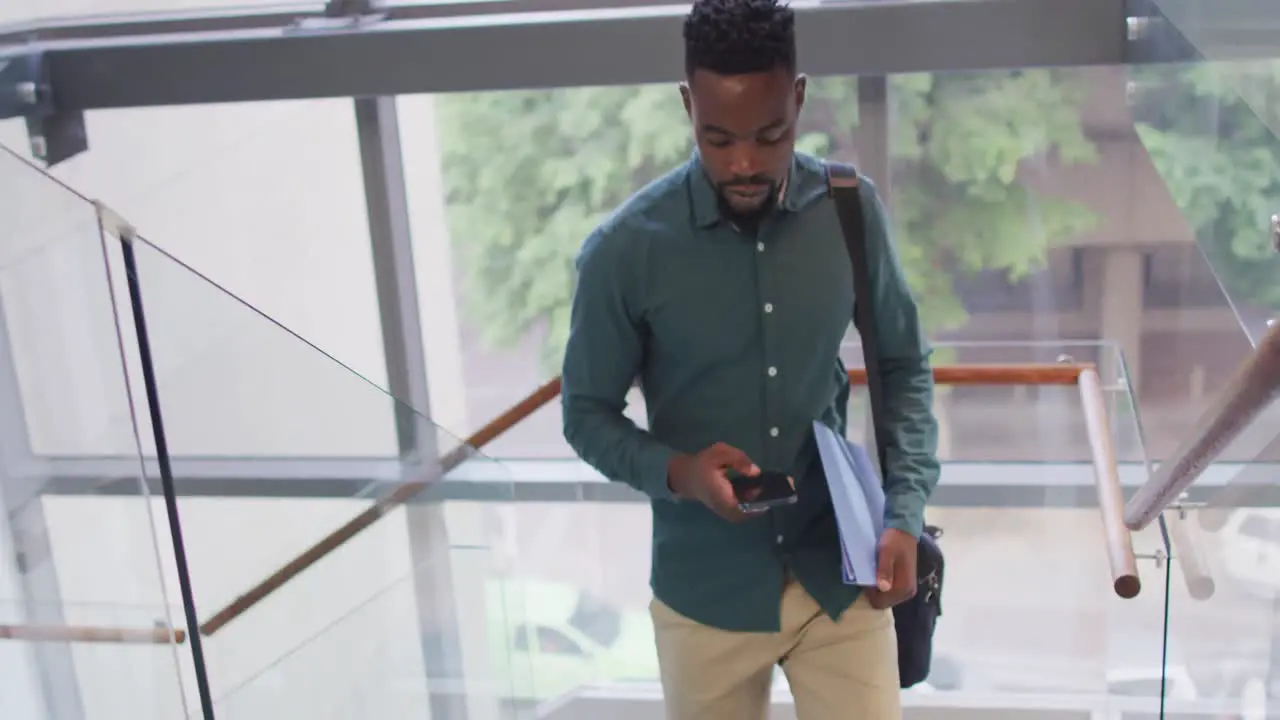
pixel 687 99
pixel 801 81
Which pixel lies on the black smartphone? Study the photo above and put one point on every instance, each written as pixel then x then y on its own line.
pixel 757 493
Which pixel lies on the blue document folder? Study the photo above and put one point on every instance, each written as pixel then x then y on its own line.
pixel 858 498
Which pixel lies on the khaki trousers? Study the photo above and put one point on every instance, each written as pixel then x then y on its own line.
pixel 837 671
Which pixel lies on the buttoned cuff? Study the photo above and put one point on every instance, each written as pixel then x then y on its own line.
pixel 653 466
pixel 912 524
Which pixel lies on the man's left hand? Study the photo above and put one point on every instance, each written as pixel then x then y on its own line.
pixel 895 570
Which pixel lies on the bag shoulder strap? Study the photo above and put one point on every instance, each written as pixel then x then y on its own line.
pixel 842 187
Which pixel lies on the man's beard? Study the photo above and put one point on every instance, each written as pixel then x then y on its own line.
pixel 747 220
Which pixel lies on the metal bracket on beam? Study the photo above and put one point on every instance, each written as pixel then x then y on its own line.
pixel 25 91
pixel 342 15
pixel 348 8
pixel 1151 37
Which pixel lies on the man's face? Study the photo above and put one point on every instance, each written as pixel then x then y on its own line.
pixel 745 129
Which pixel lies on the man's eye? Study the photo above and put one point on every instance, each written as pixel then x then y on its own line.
pixel 771 140
pixel 719 142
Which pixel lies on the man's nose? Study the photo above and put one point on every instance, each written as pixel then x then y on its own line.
pixel 744 163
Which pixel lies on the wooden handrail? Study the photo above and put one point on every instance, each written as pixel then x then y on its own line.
pixel 1106 478
pixel 1255 385
pixel 1025 374
pixel 1022 374
pixel 402 494
pixel 92 634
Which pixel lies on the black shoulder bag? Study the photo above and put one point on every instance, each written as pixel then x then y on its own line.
pixel 915 619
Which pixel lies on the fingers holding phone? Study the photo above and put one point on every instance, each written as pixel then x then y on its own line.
pixel 705 477
pixel 764 491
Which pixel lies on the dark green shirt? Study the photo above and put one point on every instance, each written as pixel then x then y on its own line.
pixel 735 338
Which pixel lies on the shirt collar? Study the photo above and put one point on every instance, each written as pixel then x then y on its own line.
pixel 706 205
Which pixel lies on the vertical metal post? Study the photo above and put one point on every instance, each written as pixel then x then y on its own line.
pixel 872 146
pixel 388 209
pixel 127 239
pixel 377 124
pixel 873 137
pixel 22 480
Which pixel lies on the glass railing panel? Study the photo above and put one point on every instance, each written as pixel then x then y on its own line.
pixel 1031 622
pixel 1210 128
pixel 82 538
pixel 1138 644
pixel 1237 37
pixel 367 670
pixel 276 447
pixel 1222 612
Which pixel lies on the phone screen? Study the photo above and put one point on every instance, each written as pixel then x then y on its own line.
pixel 763 491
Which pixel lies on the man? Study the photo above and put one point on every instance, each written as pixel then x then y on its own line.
pixel 725 289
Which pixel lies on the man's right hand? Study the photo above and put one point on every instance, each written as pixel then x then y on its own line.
pixel 704 477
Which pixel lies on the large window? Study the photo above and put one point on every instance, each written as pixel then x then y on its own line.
pixel 1026 210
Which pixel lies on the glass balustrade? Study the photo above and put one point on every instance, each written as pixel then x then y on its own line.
pixel 1210 126
pixel 1031 622
pixel 1209 122
pixel 88 608
pixel 245 400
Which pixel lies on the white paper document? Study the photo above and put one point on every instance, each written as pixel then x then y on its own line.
pixel 858 498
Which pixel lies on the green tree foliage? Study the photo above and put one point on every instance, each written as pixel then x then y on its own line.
pixel 1211 131
pixel 531 173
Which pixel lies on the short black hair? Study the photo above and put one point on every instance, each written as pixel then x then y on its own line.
pixel 738 37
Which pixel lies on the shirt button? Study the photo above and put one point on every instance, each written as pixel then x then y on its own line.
pixel 779 539
pixel 773 372
pixel 773 432
pixel 768 307
pixel 760 247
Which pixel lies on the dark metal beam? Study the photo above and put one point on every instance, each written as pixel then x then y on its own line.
pixel 278 17
pixel 123 25
pixel 565 49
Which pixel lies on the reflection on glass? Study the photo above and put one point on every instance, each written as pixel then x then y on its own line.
pixel 1215 145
